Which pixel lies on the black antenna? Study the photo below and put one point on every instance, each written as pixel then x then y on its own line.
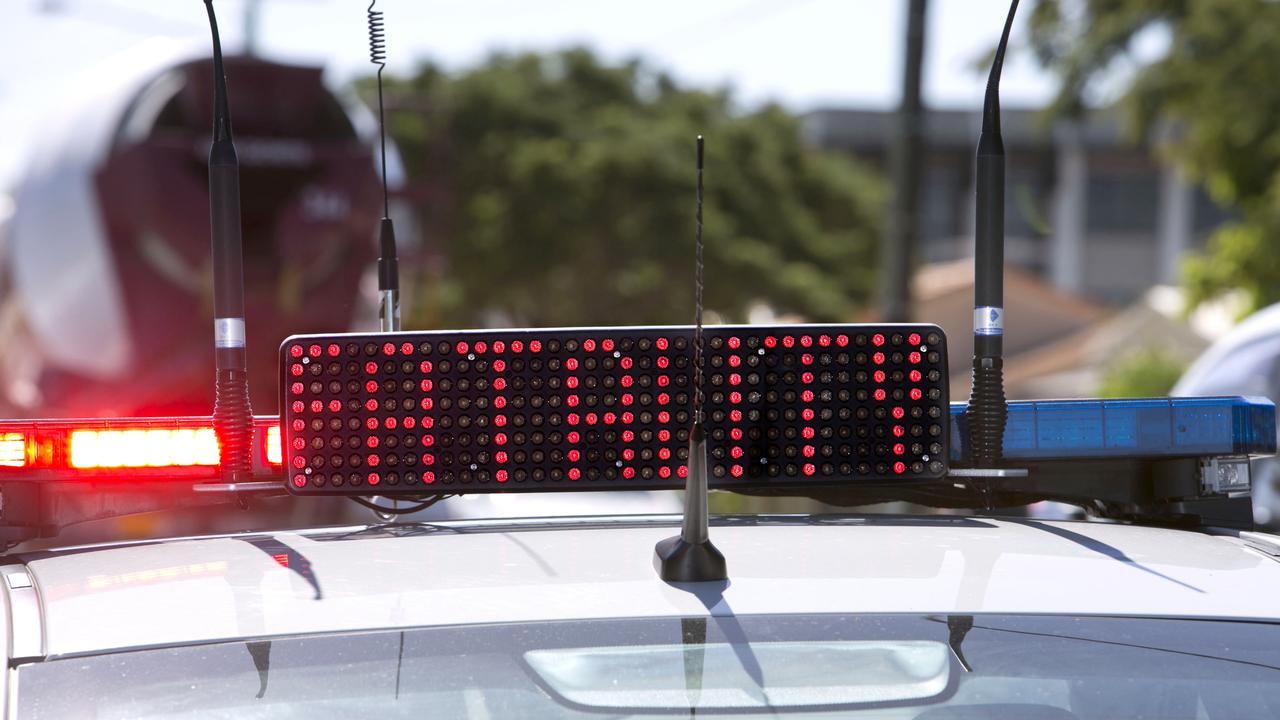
pixel 987 407
pixel 232 414
pixel 388 265
pixel 690 556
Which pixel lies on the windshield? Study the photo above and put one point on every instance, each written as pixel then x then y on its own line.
pixel 896 666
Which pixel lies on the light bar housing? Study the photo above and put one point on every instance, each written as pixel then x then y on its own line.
pixel 1128 428
pixel 601 408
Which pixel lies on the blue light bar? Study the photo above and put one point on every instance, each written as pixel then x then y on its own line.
pixel 1129 428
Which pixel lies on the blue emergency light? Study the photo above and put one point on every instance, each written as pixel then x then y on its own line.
pixel 1128 428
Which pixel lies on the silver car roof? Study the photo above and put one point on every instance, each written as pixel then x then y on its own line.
pixel 200 590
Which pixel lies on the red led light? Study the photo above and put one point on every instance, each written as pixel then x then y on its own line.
pixel 807 414
pixel 409 423
pixel 572 419
pixel 660 343
pixel 806 341
pixel 297 406
pixel 610 418
pixel 878 358
pixel 498 420
pixel 916 394
pixel 683 471
pixel 571 400
pixel 770 341
pixel 573 455
pixel 809 451
pixel 664 416
pixel 735 434
pixel 501 476
pixel 663 362
pixel 735 415
pixel 371 423
pixel 426 366
pixel 734 343
pixel 664 472
pixel 879 394
pixel 914 375
pixel 877 340
pixel 899 431
pixel 501 457
pixel 628 454
pixel 842 340
pixel 591 418
pixel 899 468
pixel 480 347
pixel 295 369
pixel 807 433
pixel 317 406
pixel 428 423
pixel 296 388
pixel 501 384
pixel 428 440
pixel 589 345
pixel 498 402
pixel 571 364
pixel 628 418
pixel 574 473
pixel 295 351
pixel 535 346
pixel 372 441
pixel 299 424
pixel 388 349
pixel 606 345
pixel 625 363
pixel 628 473
pixel 809 469
pixel 627 399
pixel 460 348
pixel 517 346
pixel 735 397
pixel 373 478
pixel 373 460
pixel 626 381
pixel 788 341
pixel 736 471
pixel 914 358
pixel 371 367
pixel 499 346
pixel 313 351
pixel 736 452
pixel 371 405
pixel 406 348
pixel 898 413
pixel 428 459
pixel 899 449
pixel 428 477
pixel 499 365
pixel 664 435
pixel 573 436
pixel 913 339
pixel 824 340
pixel 806 359
pixel 371 386
pixel 299 443
pixel 878 376
pixel 735 379
pixel 299 480
pixel 389 423
pixel 734 361
pixel 807 396
pixel 664 454
pixel 806 377
pixel 427 403
pixel 627 436
pixel 299 462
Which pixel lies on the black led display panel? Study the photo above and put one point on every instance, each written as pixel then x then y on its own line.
pixel 601 408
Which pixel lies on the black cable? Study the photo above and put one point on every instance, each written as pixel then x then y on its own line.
pixel 388 263
pixel 398 510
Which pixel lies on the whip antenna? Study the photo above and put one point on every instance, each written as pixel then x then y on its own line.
pixel 690 556
pixel 388 264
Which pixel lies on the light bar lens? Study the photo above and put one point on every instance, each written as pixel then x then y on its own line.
pixel 1129 428
pixel 13 449
pixel 275 453
pixel 481 411
pixel 143 448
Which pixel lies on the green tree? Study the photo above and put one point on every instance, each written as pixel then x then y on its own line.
pixel 560 190
pixel 1216 85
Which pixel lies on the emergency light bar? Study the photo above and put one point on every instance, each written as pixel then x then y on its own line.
pixel 576 409
pixel 1128 428
pixel 139 448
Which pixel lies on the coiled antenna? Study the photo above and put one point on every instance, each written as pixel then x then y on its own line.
pixel 388 265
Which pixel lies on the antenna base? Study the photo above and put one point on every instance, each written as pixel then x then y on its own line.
pixel 679 561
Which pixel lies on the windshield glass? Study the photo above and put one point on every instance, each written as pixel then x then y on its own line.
pixel 918 667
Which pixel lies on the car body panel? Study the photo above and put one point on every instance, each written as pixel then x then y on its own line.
pixel 223 588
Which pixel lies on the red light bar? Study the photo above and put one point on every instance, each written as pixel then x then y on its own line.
pixel 155 448
pixel 574 409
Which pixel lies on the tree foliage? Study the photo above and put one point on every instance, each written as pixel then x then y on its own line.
pixel 1215 86
pixel 557 189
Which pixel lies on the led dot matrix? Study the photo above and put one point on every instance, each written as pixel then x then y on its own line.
pixel 580 409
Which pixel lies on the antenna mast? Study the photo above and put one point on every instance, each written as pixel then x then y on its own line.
pixel 232 413
pixel 388 265
pixel 988 410
pixel 690 556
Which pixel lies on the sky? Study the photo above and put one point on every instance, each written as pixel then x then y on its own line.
pixel 801 53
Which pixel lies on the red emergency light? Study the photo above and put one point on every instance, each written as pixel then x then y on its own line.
pixel 578 409
pixel 132 448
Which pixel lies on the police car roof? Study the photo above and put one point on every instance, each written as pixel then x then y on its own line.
pixel 198 590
